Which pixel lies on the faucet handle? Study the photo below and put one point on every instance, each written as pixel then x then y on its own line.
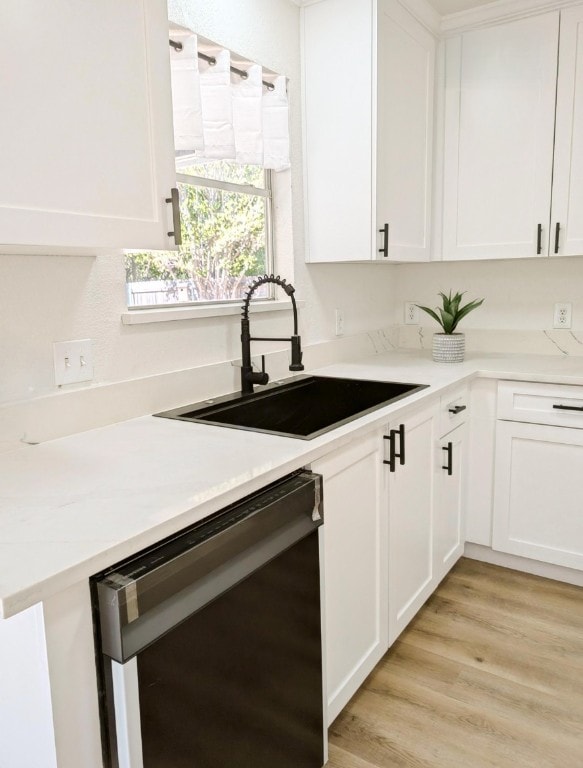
pixel 259 377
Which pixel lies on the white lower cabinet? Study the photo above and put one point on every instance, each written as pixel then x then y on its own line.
pixel 411 505
pixel 426 505
pixel 448 536
pixel 355 566
pixel 538 492
pixel 391 533
pixel 538 472
pixel 481 449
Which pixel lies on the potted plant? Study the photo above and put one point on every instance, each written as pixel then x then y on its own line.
pixel 449 346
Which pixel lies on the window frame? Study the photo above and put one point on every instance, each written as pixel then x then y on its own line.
pixel 266 193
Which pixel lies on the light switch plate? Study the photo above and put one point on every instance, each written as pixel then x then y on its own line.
pixel 73 361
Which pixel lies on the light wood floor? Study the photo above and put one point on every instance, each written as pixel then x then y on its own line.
pixel 488 675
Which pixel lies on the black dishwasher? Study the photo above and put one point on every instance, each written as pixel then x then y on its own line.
pixel 209 644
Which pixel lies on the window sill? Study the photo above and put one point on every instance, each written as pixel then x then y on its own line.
pixel 167 314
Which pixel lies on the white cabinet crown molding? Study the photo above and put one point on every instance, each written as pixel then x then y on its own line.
pixel 421 10
pixel 487 13
pixel 497 12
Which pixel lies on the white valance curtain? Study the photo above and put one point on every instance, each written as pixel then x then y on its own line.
pixel 219 115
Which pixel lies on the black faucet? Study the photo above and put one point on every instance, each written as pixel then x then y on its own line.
pixel 248 375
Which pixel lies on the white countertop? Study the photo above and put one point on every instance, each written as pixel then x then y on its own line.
pixel 72 507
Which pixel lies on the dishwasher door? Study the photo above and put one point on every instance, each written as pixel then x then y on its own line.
pixel 210 647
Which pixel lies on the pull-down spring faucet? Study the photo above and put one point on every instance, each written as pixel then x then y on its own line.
pixel 248 375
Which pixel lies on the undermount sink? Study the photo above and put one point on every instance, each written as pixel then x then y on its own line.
pixel 303 407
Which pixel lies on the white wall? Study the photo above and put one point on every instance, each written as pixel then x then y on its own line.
pixel 519 294
pixel 517 314
pixel 45 299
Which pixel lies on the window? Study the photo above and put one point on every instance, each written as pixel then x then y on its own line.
pixel 231 132
pixel 226 215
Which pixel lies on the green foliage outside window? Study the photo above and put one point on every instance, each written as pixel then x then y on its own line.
pixel 224 240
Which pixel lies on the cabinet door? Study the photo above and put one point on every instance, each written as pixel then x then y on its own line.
pixel 499 124
pixel 86 146
pixel 404 138
pixel 568 169
pixel 448 540
pixel 355 567
pixel 481 439
pixel 411 493
pixel 337 95
pixel 538 492
pixel 26 734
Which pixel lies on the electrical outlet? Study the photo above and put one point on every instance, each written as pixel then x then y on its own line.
pixel 411 313
pixel 339 314
pixel 73 361
pixel 562 316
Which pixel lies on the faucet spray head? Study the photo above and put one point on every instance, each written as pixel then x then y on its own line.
pixel 296 354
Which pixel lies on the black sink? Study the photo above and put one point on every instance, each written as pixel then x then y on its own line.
pixel 303 407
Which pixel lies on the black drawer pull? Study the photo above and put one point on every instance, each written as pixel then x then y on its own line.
pixel 539 239
pixel 385 249
pixel 568 407
pixel 457 409
pixel 449 459
pixel 557 233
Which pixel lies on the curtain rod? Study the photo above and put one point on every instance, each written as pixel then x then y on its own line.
pixel 212 61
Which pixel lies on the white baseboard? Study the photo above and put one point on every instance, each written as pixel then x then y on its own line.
pixel 525 564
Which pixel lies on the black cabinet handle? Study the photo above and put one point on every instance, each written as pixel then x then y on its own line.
pixel 391 460
pixel 539 239
pixel 385 249
pixel 176 232
pixel 401 433
pixel 393 455
pixel 568 407
pixel 457 409
pixel 557 232
pixel 449 458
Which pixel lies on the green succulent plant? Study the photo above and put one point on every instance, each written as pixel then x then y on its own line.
pixel 452 311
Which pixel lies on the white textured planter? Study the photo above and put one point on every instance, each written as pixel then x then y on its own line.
pixel 449 347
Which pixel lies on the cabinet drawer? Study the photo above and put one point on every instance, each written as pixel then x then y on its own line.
pixel 555 404
pixel 453 410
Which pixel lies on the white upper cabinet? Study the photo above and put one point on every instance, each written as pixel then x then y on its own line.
pixel 567 218
pixel 86 146
pixel 513 178
pixel 405 79
pixel 499 122
pixel 368 79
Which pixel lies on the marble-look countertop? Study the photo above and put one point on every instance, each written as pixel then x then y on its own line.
pixel 74 506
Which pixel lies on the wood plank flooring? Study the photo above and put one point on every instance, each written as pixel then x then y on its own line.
pixel 488 675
